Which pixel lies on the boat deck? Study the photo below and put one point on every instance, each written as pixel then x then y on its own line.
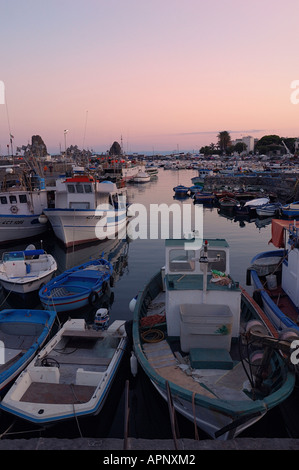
pixel 64 394
pixel 169 362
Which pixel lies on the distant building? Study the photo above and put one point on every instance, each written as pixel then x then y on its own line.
pixel 248 141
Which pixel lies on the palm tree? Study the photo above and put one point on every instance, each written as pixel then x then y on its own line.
pixel 224 140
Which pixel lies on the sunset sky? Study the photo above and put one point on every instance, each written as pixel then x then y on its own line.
pixel 166 75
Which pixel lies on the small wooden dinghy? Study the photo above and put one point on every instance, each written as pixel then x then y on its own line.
pixel 77 287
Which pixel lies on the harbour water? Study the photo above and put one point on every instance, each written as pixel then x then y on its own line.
pixel 135 262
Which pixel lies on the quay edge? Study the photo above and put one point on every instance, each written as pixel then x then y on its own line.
pixel 133 444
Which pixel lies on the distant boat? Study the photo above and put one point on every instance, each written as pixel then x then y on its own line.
pixel 77 287
pixel 201 196
pixel 141 177
pixel 258 202
pixel 22 333
pixel 269 209
pixel 87 210
pixel 26 271
pixel 181 190
pixel 71 376
pixel 228 202
pixel 22 202
pixel 290 210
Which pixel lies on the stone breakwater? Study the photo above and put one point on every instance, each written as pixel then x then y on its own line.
pixel 284 186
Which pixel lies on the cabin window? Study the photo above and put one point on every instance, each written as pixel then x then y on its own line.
pixel 12 199
pixel 23 198
pixel 3 200
pixel 79 188
pixel 87 188
pixel 220 264
pixel 181 260
pixel 71 188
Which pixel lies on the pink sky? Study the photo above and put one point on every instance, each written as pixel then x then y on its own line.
pixel 163 74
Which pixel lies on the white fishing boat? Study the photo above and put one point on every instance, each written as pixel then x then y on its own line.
pixel 141 177
pixel 87 210
pixel 22 201
pixel 269 209
pixel 26 271
pixel 71 376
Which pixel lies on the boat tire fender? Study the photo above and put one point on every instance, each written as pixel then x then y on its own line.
pixel 111 281
pixel 93 297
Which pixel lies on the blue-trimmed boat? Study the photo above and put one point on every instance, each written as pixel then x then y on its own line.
pixel 290 210
pixel 275 277
pixel 22 333
pixel 71 376
pixel 77 287
pixel 192 325
pixel 181 190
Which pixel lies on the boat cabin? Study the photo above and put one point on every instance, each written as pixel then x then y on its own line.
pixel 84 192
pixel 200 293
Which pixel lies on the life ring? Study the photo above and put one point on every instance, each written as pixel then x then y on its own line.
pixel 93 297
pixel 14 209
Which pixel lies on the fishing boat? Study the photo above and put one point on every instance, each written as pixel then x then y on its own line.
pixel 203 197
pixel 202 174
pixel 23 199
pixel 290 210
pixel 190 323
pixel 77 287
pixel 254 204
pixel 275 277
pixel 71 376
pixel 26 271
pixel 22 333
pixel 194 189
pixel 86 210
pixel 181 190
pixel 141 177
pixel 269 209
pixel 228 202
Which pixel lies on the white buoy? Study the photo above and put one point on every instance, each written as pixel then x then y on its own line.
pixel 43 219
pixel 133 364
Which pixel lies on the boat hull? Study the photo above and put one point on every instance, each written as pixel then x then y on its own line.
pixel 77 227
pixel 20 227
pixel 26 286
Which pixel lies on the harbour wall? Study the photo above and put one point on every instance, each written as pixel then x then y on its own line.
pixel 284 186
